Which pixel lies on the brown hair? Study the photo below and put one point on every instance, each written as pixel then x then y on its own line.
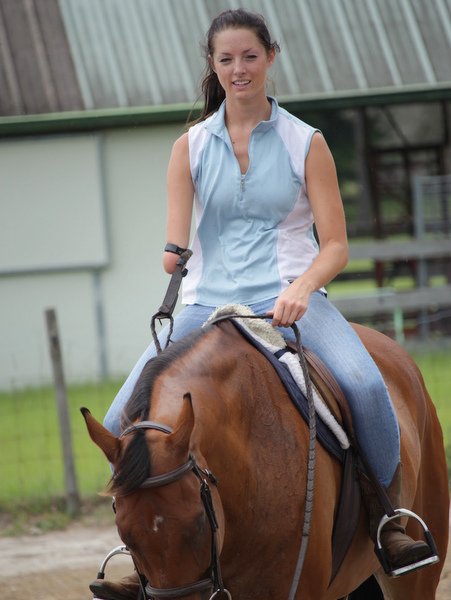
pixel 239 18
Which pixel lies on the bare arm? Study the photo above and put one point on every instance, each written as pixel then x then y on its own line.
pixel 180 192
pixel 327 207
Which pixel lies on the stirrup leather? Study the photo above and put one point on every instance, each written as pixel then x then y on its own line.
pixel 430 560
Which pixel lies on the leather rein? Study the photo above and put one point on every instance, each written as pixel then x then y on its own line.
pixel 214 581
pixel 165 312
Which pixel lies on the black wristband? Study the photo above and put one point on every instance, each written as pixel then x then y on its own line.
pixel 174 249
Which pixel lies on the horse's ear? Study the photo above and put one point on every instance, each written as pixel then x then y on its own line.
pixel 185 423
pixel 104 439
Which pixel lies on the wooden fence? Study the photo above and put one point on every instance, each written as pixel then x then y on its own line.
pixel 422 254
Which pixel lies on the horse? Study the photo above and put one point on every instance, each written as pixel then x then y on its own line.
pixel 210 476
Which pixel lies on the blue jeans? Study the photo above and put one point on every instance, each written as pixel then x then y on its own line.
pixel 327 333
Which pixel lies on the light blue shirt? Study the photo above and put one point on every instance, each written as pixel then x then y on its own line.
pixel 254 231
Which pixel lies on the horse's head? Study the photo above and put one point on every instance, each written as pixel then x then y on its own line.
pixel 161 516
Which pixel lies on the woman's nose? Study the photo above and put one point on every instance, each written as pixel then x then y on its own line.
pixel 238 66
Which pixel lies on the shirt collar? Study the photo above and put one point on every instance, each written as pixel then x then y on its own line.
pixel 216 124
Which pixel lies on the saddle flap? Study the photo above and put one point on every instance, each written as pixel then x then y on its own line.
pixel 329 389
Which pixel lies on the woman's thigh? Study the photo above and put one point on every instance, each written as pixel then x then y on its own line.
pixel 327 333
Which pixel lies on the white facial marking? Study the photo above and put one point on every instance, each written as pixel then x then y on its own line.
pixel 157 521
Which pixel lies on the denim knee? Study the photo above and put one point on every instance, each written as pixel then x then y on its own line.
pixel 112 422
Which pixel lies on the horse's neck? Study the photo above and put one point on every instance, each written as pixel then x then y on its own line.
pixel 242 414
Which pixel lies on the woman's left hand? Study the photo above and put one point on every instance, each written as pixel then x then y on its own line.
pixel 290 305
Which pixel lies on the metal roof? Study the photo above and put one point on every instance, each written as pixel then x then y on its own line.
pixel 59 55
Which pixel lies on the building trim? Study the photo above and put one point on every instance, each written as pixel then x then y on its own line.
pixel 95 120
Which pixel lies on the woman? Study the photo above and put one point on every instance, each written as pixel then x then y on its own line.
pixel 259 178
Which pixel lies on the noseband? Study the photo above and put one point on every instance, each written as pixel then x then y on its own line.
pixel 203 475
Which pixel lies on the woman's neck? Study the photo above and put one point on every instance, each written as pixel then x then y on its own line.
pixel 247 115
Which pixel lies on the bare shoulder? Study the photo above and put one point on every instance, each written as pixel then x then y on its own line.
pixel 181 144
pixel 319 148
pixel 180 154
pixel 320 164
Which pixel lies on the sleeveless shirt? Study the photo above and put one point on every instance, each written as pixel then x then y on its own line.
pixel 254 231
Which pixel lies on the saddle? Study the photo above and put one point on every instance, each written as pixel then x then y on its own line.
pixel 328 388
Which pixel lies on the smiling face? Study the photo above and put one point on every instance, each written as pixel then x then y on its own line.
pixel 241 63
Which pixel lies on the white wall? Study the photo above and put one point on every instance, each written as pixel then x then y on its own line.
pixel 129 289
pixel 52 203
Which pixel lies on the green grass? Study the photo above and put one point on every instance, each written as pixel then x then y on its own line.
pixel 436 370
pixel 31 467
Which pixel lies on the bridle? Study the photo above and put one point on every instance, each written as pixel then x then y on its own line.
pixel 214 581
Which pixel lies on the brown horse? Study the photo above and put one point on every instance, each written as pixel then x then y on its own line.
pixel 222 410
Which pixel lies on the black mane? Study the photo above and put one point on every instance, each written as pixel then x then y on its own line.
pixel 135 464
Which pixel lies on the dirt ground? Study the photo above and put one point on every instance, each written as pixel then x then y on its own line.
pixel 61 564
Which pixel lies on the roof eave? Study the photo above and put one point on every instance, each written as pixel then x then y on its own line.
pixel 94 120
pixel 369 97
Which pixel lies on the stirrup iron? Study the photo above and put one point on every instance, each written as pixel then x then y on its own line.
pixel 114 552
pixel 430 560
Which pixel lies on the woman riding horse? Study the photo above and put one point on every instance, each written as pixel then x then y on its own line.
pixel 260 179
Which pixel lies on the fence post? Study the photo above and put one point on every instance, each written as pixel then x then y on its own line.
pixel 72 496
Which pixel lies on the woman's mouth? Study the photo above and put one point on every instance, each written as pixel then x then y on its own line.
pixel 241 82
